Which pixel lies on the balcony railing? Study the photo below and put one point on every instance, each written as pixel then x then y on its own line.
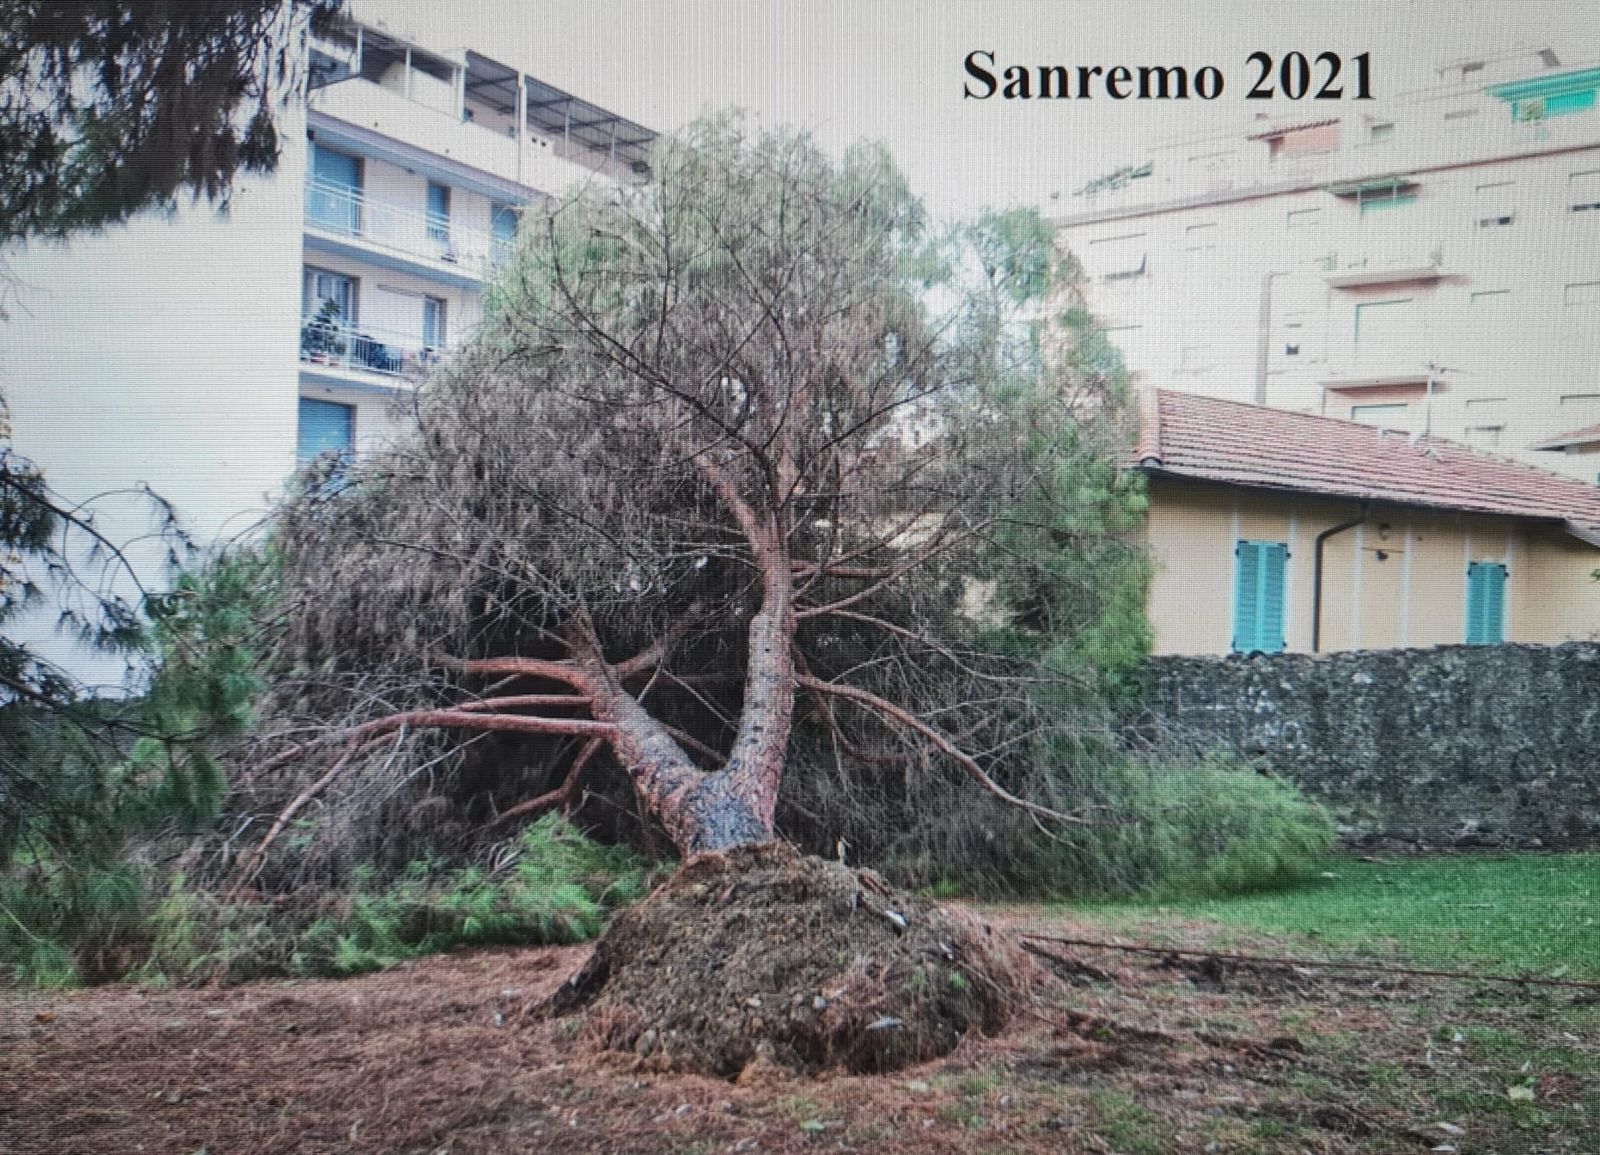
pixel 364 349
pixel 336 208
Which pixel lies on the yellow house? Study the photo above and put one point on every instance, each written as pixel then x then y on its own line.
pixel 1272 530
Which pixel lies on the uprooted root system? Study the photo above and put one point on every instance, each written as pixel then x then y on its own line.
pixel 767 956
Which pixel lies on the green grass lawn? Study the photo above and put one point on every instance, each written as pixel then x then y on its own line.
pixel 1536 914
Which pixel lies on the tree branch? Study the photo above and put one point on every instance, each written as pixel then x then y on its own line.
pixel 561 795
pixel 911 722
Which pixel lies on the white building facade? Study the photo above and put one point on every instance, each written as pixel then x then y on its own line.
pixel 1432 266
pixel 205 356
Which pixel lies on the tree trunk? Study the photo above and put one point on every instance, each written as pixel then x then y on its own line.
pixel 733 806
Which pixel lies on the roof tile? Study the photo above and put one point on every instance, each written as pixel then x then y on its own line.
pixel 1207 438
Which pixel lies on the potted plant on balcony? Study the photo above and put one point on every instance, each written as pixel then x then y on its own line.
pixel 322 338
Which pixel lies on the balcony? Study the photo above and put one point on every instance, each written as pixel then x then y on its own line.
pixel 1399 271
pixel 344 220
pixel 1387 265
pixel 361 354
pixel 377 121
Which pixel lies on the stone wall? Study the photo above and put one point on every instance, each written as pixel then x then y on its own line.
pixel 1450 746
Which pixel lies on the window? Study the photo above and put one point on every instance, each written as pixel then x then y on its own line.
pixel 1117 258
pixel 1303 141
pixel 1484 436
pixel 1258 596
pixel 1200 238
pixel 438 213
pixel 1457 117
pixel 1491 296
pixel 1378 199
pixel 502 228
pixel 320 287
pixel 432 323
pixel 1382 322
pixel 1579 410
pixel 1583 192
pixel 333 196
pixel 325 427
pixel 1381 131
pixel 1486 603
pixel 1390 415
pixel 1581 293
pixel 1305 218
pixel 1493 204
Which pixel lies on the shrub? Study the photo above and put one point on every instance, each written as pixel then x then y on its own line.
pixel 61 923
pixel 1197 829
pixel 1210 828
pixel 550 885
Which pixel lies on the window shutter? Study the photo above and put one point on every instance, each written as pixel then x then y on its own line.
pixel 1114 258
pixel 324 426
pixel 1258 608
pixel 1270 618
pixel 1486 603
pixel 1495 604
pixel 1246 594
pixel 335 168
pixel 333 196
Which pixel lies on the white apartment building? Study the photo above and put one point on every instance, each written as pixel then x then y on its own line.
pixel 1431 264
pixel 418 165
pixel 205 355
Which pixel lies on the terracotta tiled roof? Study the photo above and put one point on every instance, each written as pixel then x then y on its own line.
pixel 1577 437
pixel 1227 441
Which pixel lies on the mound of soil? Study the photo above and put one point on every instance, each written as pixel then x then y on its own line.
pixel 764 955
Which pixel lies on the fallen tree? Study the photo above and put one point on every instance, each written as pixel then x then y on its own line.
pixel 744 450
pixel 749 468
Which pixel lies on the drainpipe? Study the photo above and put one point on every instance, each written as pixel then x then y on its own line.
pixel 1316 573
pixel 1264 337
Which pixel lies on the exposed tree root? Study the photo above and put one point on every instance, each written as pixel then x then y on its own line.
pixel 762 955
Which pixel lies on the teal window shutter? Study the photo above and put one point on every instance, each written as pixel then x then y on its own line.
pixel 1486 603
pixel 325 427
pixel 1247 568
pixel 1273 557
pixel 1258 608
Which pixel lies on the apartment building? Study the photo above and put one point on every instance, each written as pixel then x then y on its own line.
pixel 418 165
pixel 203 356
pixel 1428 264
pixel 207 355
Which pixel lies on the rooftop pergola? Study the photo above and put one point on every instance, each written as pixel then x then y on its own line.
pixel 558 114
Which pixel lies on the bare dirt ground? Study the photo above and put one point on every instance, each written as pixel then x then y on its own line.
pixel 1129 1055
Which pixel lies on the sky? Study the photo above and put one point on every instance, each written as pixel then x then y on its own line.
pixel 892 70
